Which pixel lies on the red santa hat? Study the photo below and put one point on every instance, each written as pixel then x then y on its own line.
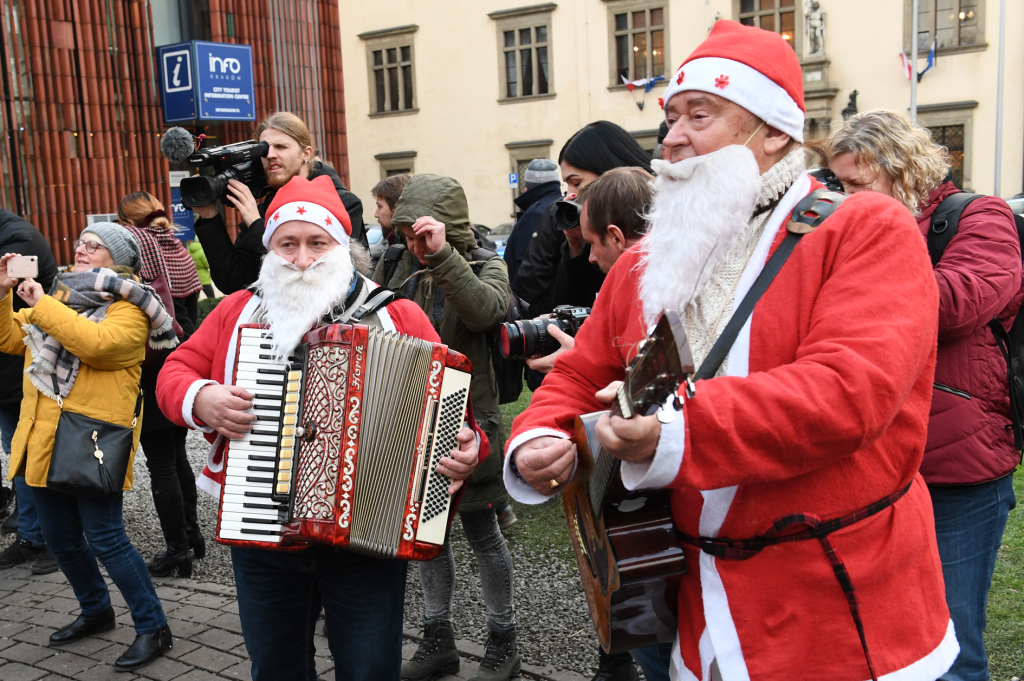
pixel 751 67
pixel 315 201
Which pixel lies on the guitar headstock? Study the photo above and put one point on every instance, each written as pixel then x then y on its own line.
pixel 663 360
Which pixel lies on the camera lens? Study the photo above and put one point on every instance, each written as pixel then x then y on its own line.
pixel 510 340
pixel 202 190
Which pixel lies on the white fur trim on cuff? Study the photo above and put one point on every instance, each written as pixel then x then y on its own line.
pixel 743 85
pixel 516 486
pixel 189 403
pixel 668 457
pixel 208 485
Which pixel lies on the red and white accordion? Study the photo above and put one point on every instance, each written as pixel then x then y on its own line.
pixel 346 442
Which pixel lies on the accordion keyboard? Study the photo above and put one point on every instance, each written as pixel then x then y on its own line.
pixel 259 465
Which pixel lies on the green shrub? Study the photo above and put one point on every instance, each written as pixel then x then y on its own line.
pixel 206 306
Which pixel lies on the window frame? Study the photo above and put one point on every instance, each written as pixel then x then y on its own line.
pixel 396 161
pixel 526 150
pixel 953 113
pixel 628 7
pixel 383 40
pixel 798 20
pixel 908 18
pixel 531 17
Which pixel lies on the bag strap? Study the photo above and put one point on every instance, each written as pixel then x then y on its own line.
pixel 945 221
pixel 811 211
pixel 382 298
pixel 391 257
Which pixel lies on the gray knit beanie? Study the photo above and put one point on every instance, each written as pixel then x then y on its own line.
pixel 124 249
pixel 539 171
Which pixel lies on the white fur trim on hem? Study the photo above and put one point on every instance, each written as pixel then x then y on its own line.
pixel 743 85
pixel 933 665
pixel 190 401
pixel 668 457
pixel 516 486
pixel 208 485
pixel 385 320
pixel 677 671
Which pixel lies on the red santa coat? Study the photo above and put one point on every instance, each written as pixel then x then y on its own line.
pixel 824 411
pixel 209 357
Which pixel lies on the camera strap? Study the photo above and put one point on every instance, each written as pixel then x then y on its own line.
pixel 812 210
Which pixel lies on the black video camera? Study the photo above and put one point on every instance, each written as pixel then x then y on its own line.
pixel 240 161
pixel 529 337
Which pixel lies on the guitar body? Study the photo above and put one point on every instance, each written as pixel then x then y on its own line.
pixel 629 557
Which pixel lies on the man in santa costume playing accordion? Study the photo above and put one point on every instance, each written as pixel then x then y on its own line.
pixel 307 279
pixel 816 419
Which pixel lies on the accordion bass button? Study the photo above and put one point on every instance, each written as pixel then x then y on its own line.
pixel 282 488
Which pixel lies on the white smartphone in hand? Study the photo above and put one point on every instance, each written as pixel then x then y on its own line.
pixel 23 267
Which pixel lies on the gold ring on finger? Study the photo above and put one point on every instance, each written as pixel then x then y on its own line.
pixel 554 483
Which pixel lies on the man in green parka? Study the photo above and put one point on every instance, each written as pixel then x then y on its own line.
pixel 464 292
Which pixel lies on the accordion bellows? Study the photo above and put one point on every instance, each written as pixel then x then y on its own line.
pixel 346 443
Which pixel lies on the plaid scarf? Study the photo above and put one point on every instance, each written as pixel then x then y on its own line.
pixel 162 253
pixel 53 368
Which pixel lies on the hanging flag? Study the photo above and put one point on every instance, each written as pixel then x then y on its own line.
pixel 931 62
pixel 650 83
pixel 906 63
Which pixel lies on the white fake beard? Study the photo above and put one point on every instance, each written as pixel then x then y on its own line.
pixel 700 212
pixel 294 300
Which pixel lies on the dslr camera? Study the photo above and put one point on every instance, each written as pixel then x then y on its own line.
pixel 239 161
pixel 567 213
pixel 529 337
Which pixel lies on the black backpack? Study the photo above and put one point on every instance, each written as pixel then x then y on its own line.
pixel 508 372
pixel 943 228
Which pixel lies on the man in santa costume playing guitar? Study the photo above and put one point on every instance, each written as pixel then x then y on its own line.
pixel 307 279
pixel 793 468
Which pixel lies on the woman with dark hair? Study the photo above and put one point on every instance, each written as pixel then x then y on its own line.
pixel 172 480
pixel 592 151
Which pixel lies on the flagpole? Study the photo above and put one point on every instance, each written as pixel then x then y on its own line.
pixel 998 176
pixel 915 27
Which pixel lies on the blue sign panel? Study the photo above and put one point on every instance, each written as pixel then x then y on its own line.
pixel 224 82
pixel 182 217
pixel 177 82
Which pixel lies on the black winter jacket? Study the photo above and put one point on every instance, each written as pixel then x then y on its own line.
pixel 577 280
pixel 533 203
pixel 235 266
pixel 536 274
pixel 18 235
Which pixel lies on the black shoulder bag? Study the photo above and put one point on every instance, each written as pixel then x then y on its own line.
pixel 90 457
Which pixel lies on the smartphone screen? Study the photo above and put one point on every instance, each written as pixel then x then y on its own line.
pixel 23 267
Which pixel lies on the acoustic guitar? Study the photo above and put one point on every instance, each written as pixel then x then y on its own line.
pixel 629 557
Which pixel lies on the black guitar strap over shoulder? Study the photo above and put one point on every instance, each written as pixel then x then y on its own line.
pixel 812 211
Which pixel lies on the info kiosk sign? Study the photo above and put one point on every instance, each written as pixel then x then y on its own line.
pixel 204 81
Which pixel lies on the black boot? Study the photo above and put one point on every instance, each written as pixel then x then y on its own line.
pixel 436 657
pixel 615 667
pixel 501 661
pixel 85 625
pixel 145 649
pixel 197 544
pixel 10 526
pixel 166 562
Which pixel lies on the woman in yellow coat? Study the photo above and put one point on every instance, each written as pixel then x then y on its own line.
pixel 84 344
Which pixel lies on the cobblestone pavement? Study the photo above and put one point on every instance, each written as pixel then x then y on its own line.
pixel 203 617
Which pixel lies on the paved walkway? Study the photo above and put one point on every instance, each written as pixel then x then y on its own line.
pixel 203 617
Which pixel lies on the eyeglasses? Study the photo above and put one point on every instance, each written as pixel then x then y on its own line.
pixel 90 246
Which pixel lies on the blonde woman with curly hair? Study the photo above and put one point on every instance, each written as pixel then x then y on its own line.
pixel 970 454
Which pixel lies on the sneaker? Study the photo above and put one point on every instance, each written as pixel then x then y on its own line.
pixel 10 526
pixel 506 516
pixel 617 667
pixel 17 553
pixel 436 657
pixel 45 563
pixel 501 660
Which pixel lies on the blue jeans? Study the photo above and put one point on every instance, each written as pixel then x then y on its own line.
pixel 654 660
pixel 28 518
pixel 279 599
pixel 78 531
pixel 969 524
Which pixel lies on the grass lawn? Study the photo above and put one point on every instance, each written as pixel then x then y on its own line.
pixel 542 531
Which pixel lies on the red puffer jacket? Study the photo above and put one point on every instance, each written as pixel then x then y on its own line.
pixel 979 278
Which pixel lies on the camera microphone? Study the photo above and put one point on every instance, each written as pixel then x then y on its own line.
pixel 177 144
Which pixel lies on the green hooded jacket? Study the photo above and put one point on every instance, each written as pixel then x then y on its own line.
pixel 474 296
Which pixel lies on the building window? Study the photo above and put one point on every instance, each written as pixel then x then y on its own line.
pixel 395 162
pixel 952 137
pixel 392 74
pixel 524 52
pixel 950 23
pixel 521 153
pixel 639 37
pixel 772 15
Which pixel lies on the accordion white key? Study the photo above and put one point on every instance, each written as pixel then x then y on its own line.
pixel 346 443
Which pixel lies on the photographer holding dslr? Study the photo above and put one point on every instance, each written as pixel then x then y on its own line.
pixel 235 266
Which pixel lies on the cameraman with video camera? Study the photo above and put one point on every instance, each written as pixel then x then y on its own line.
pixel 235 266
